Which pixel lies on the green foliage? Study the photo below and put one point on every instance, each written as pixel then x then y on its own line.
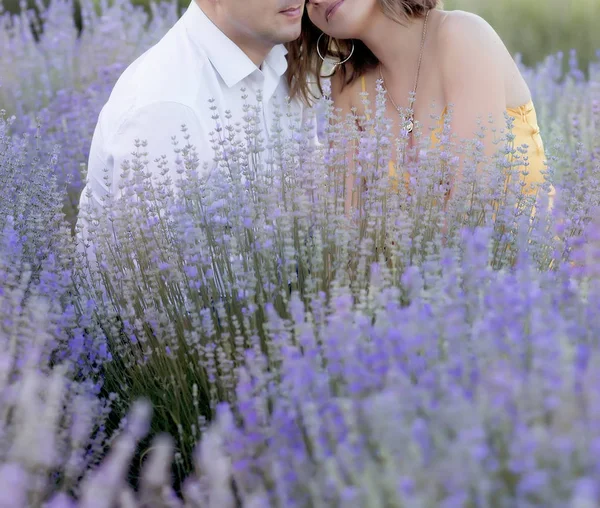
pixel 536 28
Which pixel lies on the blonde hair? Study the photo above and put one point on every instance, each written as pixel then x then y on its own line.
pixel 304 62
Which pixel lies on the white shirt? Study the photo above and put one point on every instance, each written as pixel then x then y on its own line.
pixel 170 85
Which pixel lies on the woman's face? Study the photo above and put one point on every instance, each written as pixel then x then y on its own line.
pixel 342 19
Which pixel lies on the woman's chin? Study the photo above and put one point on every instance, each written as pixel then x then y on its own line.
pixel 339 34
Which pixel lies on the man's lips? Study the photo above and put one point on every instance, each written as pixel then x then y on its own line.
pixel 292 11
pixel 332 8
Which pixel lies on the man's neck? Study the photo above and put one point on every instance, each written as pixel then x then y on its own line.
pixel 252 47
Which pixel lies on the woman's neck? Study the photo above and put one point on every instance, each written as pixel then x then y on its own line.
pixel 395 45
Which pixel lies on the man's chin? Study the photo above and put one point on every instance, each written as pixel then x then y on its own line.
pixel 289 35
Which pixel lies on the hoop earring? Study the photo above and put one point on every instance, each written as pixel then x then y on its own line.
pixel 337 63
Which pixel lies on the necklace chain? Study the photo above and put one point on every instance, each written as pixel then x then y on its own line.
pixel 410 121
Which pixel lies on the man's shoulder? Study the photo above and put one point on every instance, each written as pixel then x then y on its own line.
pixel 167 72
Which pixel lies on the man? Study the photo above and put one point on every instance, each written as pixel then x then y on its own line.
pixel 217 49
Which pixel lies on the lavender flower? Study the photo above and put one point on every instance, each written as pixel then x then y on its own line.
pixel 412 354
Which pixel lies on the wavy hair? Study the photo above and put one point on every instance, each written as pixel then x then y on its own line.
pixel 305 64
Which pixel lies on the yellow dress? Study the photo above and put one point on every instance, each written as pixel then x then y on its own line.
pixel 525 130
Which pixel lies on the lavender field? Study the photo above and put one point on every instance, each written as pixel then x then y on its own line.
pixel 246 343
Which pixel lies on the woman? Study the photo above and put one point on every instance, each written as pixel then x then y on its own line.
pixel 442 57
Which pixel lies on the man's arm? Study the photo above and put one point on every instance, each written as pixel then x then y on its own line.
pixel 156 123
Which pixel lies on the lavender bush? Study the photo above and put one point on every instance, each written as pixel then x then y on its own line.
pixel 197 271
pixel 60 82
pixel 415 353
pixel 51 355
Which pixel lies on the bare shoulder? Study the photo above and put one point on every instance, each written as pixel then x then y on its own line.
pixel 473 59
pixel 466 33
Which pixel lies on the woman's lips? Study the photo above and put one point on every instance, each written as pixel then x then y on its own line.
pixel 332 8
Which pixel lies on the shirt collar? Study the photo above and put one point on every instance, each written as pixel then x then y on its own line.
pixel 232 64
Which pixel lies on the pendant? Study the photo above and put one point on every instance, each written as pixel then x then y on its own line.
pixel 409 125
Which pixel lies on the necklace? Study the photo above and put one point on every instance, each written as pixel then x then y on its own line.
pixel 409 119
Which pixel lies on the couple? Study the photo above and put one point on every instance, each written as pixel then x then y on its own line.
pixel 219 48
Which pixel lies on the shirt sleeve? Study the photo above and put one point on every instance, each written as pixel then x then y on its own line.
pixel 156 124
